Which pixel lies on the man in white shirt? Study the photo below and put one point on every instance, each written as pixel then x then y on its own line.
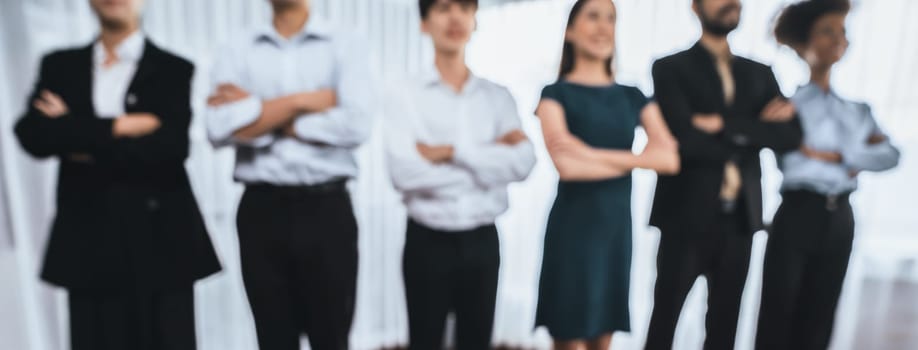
pixel 295 99
pixel 454 142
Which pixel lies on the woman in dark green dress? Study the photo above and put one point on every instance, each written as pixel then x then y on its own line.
pixel 589 122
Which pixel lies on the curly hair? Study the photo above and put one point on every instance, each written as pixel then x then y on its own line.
pixel 795 22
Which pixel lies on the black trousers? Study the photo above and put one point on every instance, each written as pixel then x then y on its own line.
pixel 805 265
pixel 451 271
pixel 141 320
pixel 722 256
pixel 299 264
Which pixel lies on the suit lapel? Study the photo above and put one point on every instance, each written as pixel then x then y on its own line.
pixel 705 61
pixel 83 84
pixel 146 68
pixel 743 84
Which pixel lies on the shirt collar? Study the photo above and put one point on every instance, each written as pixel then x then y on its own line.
pixel 812 90
pixel 129 50
pixel 431 77
pixel 316 28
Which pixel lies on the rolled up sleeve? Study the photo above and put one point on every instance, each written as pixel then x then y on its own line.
pixel 223 121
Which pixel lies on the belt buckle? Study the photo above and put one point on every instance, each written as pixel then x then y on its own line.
pixel 832 203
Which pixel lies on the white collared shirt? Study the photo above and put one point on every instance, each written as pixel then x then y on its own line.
pixel 110 84
pixel 269 66
pixel 470 191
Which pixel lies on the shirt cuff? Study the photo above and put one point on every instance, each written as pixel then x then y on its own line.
pixel 305 125
pixel 848 153
pixel 463 154
pixel 259 142
pixel 245 112
pixel 235 116
pixel 733 133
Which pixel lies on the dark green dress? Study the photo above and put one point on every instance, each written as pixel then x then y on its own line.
pixel 586 265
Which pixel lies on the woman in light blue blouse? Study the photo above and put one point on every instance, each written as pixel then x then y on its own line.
pixel 810 241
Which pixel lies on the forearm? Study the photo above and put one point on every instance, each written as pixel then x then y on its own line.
pixel 43 137
pixel 346 126
pixel 496 164
pixel 165 146
pixel 626 161
pixel 409 170
pixel 879 157
pixel 574 168
pixel 168 144
pixel 414 177
pixel 662 161
pixel 779 136
pixel 275 113
pixel 697 146
pixel 280 112
pixel 618 159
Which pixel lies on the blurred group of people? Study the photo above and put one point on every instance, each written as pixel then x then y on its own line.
pixel 296 97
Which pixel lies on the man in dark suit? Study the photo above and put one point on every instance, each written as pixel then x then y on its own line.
pixel 724 110
pixel 128 241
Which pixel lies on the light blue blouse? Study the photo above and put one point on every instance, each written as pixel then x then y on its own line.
pixel 833 124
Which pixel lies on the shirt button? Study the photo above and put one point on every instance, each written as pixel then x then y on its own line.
pixel 152 204
pixel 131 99
pixel 741 140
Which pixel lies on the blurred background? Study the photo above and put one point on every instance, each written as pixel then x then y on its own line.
pixel 518 45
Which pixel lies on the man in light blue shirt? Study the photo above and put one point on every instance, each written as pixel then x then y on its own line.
pixel 295 99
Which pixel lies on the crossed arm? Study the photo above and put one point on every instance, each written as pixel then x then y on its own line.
pixel 577 161
pixel 713 139
pixel 432 169
pixel 339 115
pixel 51 128
pixel 276 115
pixel 873 151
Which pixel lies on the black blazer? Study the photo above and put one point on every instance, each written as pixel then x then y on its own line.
pixel 128 217
pixel 687 83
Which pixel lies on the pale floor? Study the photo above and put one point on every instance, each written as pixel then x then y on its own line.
pixel 887 314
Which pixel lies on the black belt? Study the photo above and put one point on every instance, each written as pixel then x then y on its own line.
pixel 832 200
pixel 333 186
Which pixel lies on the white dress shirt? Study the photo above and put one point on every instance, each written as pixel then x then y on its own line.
pixel 110 83
pixel 269 66
pixel 470 191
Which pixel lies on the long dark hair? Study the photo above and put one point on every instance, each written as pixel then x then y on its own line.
pixel 567 52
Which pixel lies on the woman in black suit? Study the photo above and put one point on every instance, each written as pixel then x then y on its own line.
pixel 128 241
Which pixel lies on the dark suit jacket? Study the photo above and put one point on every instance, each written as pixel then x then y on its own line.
pixel 128 217
pixel 687 83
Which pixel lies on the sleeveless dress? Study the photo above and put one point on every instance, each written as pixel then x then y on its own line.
pixel 586 265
